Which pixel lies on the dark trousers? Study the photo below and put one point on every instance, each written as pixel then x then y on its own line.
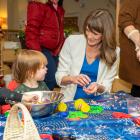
pixel 52 67
pixel 135 91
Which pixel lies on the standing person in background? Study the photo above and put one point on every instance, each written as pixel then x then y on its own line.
pixel 129 24
pixel 88 63
pixel 45 33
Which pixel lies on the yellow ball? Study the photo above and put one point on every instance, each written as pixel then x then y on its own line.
pixel 78 103
pixel 85 107
pixel 62 107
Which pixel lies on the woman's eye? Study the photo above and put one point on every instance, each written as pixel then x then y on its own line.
pixel 95 33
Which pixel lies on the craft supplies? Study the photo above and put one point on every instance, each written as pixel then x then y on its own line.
pixel 76 115
pixel 133 105
pixel 5 108
pixel 46 137
pixel 6 113
pixel 81 105
pixel 96 109
pixel 136 121
pixel 62 107
pixel 121 115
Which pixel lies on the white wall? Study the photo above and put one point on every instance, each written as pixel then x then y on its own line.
pixel 16 13
pixel 73 8
pixel 17 10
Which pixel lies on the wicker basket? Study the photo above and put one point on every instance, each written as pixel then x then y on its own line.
pixel 15 129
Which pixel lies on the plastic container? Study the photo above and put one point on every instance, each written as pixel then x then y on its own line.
pixel 133 105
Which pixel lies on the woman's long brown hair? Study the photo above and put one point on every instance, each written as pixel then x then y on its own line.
pixel 101 21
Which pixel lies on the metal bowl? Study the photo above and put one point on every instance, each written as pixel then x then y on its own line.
pixel 49 99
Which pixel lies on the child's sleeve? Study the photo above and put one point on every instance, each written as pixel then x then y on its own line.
pixel 8 95
pixel 13 85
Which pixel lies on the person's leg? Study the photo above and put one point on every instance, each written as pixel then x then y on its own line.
pixel 135 91
pixel 50 76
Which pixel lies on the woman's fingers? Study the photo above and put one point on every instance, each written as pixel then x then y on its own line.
pixel 83 80
pixel 93 87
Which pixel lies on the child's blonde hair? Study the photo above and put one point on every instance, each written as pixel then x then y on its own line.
pixel 27 63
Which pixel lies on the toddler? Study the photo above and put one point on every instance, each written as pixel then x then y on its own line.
pixel 29 70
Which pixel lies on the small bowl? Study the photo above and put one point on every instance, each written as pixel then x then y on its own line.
pixel 49 101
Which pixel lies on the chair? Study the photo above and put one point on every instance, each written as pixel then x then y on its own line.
pixel 121 85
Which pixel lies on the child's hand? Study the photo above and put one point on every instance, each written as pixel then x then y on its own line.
pixel 92 88
pixel 30 98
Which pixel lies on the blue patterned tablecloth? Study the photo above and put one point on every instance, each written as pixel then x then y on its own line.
pixel 96 127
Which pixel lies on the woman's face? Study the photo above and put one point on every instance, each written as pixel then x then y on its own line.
pixel 93 38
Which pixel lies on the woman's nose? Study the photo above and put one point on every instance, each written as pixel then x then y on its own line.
pixel 90 35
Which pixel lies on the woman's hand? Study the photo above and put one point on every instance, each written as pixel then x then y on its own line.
pixel 29 98
pixel 81 80
pixel 93 88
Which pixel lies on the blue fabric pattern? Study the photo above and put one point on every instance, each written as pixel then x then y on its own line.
pixel 96 127
pixel 90 70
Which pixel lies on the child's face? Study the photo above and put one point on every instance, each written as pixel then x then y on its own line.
pixel 40 74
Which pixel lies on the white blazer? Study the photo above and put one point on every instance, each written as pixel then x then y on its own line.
pixel 70 63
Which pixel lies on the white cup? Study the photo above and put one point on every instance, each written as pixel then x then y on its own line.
pixel 7 78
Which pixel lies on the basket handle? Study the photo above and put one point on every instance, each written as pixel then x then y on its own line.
pixel 30 131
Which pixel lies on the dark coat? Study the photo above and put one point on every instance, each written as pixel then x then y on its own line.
pixel 44 27
pixel 129 65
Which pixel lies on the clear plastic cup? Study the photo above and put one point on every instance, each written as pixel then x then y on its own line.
pixel 133 105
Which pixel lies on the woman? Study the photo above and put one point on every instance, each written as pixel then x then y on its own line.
pixel 88 63
pixel 45 32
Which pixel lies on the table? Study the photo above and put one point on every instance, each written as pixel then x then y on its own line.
pixel 97 127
